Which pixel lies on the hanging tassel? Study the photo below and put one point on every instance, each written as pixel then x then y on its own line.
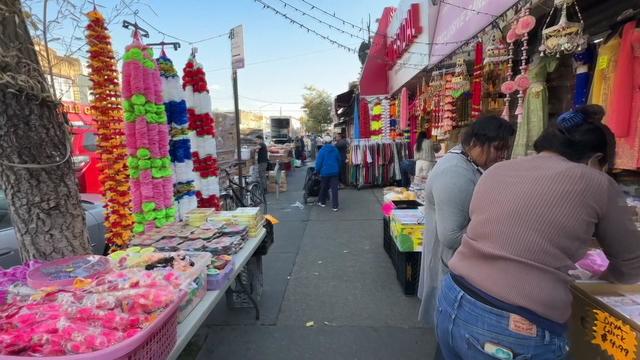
pixel 505 112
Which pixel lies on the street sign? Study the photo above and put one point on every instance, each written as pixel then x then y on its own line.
pixel 237 47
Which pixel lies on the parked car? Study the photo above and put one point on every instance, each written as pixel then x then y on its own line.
pixel 9 253
pixel 86 161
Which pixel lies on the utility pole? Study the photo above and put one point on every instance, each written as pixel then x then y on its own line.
pixel 237 62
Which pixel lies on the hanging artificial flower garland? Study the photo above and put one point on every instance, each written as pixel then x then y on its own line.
pixel 147 139
pixel 205 163
pixel 107 112
pixel 180 143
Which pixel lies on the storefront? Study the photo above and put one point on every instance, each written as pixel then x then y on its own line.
pixel 86 161
pixel 529 62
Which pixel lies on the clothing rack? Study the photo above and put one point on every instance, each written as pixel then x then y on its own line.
pixel 375 162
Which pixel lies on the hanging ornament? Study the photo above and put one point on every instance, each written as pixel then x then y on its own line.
pixel 509 86
pixel 201 121
pixel 386 118
pixel 107 113
pixel 565 37
pixel 476 86
pixel 180 142
pixel 147 139
pixel 525 24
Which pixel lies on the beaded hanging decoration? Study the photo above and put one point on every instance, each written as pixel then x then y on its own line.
pixel 566 37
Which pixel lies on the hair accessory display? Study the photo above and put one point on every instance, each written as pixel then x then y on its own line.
pixel 180 143
pixel 201 121
pixel 147 139
pixel 565 37
pixel 107 112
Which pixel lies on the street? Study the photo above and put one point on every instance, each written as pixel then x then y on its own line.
pixel 326 268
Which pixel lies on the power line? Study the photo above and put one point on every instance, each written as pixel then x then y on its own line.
pixel 333 15
pixel 302 26
pixel 285 4
pixel 265 61
pixel 271 102
pixel 137 16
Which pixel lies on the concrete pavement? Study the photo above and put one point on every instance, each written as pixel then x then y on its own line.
pixel 330 269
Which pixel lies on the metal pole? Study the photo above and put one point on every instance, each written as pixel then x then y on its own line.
pixel 238 144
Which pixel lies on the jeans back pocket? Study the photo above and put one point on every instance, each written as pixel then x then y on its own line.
pixel 476 350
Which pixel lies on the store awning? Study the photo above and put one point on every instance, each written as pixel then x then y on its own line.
pixel 456 23
pixel 344 104
pixel 78 114
pixel 374 80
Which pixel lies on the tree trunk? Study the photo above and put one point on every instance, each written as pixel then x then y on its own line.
pixel 36 171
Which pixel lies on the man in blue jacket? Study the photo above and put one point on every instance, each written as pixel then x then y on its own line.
pixel 328 166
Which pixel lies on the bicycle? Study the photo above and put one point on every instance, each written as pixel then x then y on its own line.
pixel 250 195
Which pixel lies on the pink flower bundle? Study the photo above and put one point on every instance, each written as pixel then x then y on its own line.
pixel 147 139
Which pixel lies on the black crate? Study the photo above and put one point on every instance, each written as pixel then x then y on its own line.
pixel 266 243
pixel 406 204
pixel 406 264
pixel 386 231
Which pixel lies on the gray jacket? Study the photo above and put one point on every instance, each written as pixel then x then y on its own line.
pixel 447 197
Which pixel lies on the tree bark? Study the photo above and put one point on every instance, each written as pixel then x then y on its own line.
pixel 36 171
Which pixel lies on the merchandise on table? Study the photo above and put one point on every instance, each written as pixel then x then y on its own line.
pixel 63 272
pixel 87 317
pixel 219 272
pixel 191 267
pixel 407 229
pixel 13 275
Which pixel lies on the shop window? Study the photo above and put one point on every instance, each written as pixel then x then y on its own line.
pixel 64 88
pixel 90 143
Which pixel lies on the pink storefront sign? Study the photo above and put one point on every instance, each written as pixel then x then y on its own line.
pixel 460 21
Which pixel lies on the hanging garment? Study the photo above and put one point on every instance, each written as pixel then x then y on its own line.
pixel 604 73
pixel 628 147
pixel 620 102
pixel 583 76
pixel 536 104
pixel 476 87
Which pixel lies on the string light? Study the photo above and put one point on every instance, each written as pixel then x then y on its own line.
pixel 285 4
pixel 333 15
pixel 137 16
pixel 293 21
pixel 478 12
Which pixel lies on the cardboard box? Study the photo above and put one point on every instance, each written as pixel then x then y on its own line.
pixel 596 328
pixel 407 229
pixel 272 187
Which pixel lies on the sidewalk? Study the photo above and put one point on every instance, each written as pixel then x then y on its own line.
pixel 330 269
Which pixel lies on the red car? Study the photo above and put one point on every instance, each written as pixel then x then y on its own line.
pixel 86 161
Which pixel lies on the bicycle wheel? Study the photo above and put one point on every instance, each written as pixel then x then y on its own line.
pixel 257 197
pixel 228 202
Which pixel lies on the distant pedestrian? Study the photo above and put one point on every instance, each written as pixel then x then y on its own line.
pixel 313 146
pixel 328 166
pixel 342 145
pixel 263 162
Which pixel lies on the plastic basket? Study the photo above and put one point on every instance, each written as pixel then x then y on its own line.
pixel 153 343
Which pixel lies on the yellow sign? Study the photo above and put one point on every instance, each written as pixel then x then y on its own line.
pixel 272 219
pixel 614 336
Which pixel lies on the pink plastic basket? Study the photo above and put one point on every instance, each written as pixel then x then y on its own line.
pixel 154 343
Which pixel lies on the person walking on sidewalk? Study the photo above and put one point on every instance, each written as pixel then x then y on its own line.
pixel 263 162
pixel 342 145
pixel 328 166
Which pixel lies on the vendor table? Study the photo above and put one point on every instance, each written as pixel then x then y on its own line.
pixel 192 323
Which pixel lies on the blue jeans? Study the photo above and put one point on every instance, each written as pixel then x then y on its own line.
pixel 464 325
pixel 329 183
pixel 407 170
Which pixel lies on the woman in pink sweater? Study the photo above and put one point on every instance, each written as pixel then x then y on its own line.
pixel 532 219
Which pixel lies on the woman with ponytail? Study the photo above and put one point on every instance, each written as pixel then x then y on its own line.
pixel 532 219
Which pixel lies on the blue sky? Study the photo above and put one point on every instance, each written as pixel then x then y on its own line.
pixel 291 58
